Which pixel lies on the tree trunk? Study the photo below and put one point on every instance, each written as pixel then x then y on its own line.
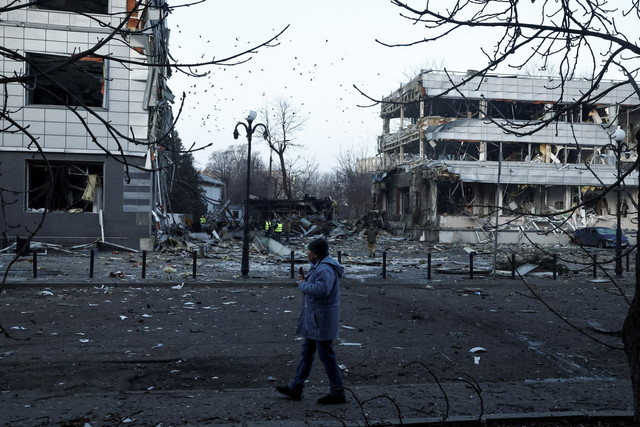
pixel 286 182
pixel 631 339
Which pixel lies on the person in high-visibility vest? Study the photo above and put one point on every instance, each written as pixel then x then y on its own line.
pixel 267 228
pixel 278 230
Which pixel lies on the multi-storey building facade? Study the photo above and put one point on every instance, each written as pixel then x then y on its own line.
pixel 453 156
pixel 81 114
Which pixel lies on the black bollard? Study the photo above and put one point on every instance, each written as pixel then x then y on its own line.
pixel 595 266
pixel 340 257
pixel 92 259
pixel 429 266
pixel 384 264
pixel 144 264
pixel 555 266
pixel 195 263
pixel 292 267
pixel 513 266
pixel 471 264
pixel 35 264
pixel 628 260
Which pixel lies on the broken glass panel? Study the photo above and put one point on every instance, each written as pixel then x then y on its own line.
pixel 64 186
pixel 76 83
pixel 84 6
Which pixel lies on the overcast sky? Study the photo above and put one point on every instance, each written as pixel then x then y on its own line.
pixel 329 47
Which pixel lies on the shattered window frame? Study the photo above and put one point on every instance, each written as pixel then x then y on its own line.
pixel 83 80
pixel 84 6
pixel 76 186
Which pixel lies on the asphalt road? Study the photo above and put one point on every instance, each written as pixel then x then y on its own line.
pixel 122 352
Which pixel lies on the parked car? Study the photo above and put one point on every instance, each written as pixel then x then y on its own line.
pixel 602 237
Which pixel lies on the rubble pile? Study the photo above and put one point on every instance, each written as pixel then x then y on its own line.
pixel 218 255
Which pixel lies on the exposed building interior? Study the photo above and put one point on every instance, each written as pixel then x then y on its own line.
pixel 459 164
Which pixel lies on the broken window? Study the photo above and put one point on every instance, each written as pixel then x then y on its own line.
pixel 595 114
pixel 454 150
pixel 84 6
pixel 64 186
pixel 515 110
pixel 77 83
pixel 453 198
pixel 458 108
pixel 519 199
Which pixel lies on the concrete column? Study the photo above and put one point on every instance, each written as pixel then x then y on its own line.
pixel 483 108
pixel 482 151
pixel 433 201
pixel 612 111
pixel 500 199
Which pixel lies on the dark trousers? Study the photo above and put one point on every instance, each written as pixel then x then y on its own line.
pixel 328 358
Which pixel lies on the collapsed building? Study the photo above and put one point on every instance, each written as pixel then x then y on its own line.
pixel 452 158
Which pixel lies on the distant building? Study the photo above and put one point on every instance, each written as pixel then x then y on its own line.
pixel 447 162
pixel 214 191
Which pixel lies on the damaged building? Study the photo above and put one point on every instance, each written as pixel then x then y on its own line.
pixel 78 134
pixel 450 157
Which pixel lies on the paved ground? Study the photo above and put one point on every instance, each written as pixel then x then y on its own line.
pixel 173 350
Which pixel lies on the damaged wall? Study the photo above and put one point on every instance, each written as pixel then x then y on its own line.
pixel 129 96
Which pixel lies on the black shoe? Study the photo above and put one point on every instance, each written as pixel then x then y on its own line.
pixel 284 389
pixel 331 399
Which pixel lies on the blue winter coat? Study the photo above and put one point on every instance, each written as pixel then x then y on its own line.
pixel 320 315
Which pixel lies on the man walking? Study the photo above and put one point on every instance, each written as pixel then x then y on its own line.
pixel 318 323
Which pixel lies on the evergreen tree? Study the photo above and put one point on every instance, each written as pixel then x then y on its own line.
pixel 186 192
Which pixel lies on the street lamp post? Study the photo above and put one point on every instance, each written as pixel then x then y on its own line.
pixel 618 136
pixel 249 128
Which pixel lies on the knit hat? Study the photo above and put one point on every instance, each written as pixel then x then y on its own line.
pixel 320 247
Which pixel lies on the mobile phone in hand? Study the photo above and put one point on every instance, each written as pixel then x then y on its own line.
pixel 301 272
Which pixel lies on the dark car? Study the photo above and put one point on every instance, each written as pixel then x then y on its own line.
pixel 602 237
